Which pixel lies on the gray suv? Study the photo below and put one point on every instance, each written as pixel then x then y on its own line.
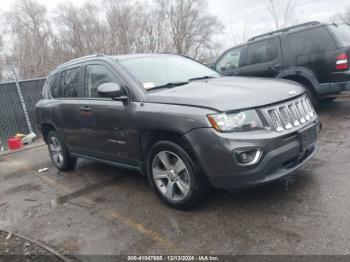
pixel 177 121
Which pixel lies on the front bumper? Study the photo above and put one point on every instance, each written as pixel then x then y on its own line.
pixel 214 152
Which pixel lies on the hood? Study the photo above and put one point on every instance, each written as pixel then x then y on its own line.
pixel 228 93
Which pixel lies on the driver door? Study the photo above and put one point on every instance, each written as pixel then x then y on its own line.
pixel 106 123
pixel 229 63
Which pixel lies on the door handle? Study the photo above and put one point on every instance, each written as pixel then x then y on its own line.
pixel 85 108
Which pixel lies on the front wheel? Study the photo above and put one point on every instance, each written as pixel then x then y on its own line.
pixel 174 175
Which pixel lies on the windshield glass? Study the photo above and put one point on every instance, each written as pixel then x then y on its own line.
pixel 342 33
pixel 158 71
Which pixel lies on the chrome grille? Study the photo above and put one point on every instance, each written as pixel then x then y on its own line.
pixel 291 114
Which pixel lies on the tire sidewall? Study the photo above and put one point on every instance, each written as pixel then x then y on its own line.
pixel 66 158
pixel 195 183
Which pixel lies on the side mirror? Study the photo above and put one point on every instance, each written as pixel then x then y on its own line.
pixel 111 90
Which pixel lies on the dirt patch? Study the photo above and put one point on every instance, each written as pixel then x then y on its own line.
pixel 18 249
pixel 23 189
pixel 99 200
pixel 14 176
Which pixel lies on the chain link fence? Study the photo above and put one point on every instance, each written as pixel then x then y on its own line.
pixel 12 116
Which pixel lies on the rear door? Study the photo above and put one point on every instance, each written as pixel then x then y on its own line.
pixel 106 127
pixel 68 94
pixel 262 58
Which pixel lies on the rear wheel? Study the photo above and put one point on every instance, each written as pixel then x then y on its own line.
pixel 59 153
pixel 174 175
pixel 326 100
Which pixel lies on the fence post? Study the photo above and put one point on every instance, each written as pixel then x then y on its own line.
pixel 20 94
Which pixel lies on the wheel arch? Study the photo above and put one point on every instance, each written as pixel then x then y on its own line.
pixel 302 76
pixel 46 128
pixel 150 137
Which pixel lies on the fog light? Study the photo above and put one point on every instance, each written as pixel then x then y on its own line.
pixel 248 156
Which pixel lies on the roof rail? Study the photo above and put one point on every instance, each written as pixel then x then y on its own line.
pixel 284 30
pixel 78 59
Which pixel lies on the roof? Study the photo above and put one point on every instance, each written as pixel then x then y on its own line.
pixel 114 57
pixel 298 27
pixel 133 56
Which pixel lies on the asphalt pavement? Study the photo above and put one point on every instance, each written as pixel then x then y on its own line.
pixel 102 210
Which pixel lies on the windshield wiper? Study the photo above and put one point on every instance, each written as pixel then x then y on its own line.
pixel 170 85
pixel 201 78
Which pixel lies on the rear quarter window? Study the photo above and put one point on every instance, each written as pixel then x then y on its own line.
pixel 310 41
pixel 52 86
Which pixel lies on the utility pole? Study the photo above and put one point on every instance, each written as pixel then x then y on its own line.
pixel 20 94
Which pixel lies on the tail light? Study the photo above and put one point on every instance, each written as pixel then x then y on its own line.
pixel 342 62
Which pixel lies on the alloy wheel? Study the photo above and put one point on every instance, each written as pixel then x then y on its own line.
pixel 56 151
pixel 171 176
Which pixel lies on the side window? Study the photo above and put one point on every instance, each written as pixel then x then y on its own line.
pixel 96 75
pixel 310 41
pixel 262 52
pixel 230 60
pixel 70 82
pixel 53 86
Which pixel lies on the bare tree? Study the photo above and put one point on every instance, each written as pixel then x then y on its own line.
pixel 238 37
pixel 30 34
pixel 1 59
pixel 191 28
pixel 81 31
pixel 37 44
pixel 282 12
pixel 345 17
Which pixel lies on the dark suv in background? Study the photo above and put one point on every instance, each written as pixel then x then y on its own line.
pixel 178 121
pixel 313 54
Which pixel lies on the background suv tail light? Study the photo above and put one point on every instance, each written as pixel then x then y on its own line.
pixel 342 62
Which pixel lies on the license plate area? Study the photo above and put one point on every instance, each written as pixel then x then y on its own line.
pixel 307 137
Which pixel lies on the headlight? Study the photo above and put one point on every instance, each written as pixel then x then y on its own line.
pixel 238 122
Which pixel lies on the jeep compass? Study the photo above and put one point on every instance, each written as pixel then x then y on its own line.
pixel 177 121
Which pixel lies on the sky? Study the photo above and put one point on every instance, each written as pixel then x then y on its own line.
pixel 249 16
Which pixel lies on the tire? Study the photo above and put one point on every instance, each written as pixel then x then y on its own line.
pixel 325 100
pixel 180 184
pixel 312 96
pixel 59 153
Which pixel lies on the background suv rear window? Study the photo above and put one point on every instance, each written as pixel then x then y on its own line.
pixel 311 41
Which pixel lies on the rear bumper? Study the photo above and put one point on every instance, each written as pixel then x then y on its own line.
pixel 333 88
pixel 214 151
pixel 340 82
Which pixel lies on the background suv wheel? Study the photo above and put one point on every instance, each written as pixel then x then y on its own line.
pixel 59 153
pixel 174 176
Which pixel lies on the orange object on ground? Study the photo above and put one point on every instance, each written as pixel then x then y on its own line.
pixel 14 143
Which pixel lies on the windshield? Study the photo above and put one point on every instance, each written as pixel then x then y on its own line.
pixel 342 32
pixel 166 71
